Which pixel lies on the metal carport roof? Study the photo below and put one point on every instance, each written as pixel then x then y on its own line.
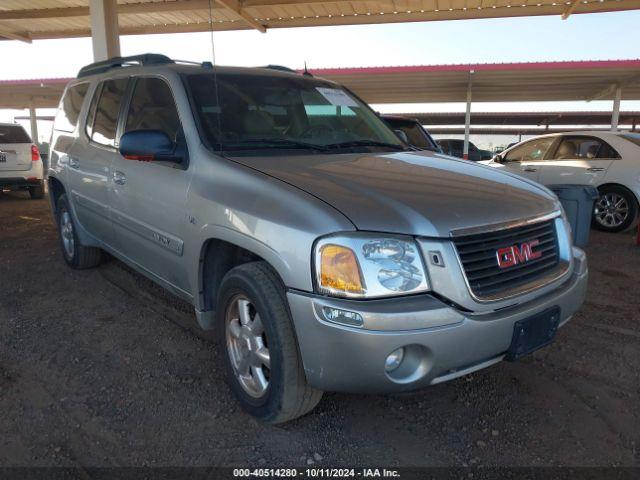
pixel 492 82
pixel 498 82
pixel 524 118
pixel 36 19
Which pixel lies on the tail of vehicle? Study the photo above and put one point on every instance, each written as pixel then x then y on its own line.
pixel 16 150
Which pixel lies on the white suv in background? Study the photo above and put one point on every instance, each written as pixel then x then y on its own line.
pixel 609 161
pixel 20 163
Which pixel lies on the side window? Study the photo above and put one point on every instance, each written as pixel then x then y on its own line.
pixel 585 148
pixel 607 151
pixel 531 150
pixel 69 111
pixel 105 122
pixel 152 108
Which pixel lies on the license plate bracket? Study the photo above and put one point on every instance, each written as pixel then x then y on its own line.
pixel 532 333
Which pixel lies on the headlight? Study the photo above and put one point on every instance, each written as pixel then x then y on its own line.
pixel 369 266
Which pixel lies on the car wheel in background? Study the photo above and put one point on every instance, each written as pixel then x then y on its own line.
pixel 76 255
pixel 37 192
pixel 615 210
pixel 258 347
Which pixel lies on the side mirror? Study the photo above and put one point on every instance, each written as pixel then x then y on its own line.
pixel 401 135
pixel 148 146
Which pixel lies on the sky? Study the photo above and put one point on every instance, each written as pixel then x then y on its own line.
pixel 601 36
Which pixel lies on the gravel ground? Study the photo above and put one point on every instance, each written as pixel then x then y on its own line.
pixel 102 368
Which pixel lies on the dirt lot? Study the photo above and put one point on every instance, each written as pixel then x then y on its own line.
pixel 102 368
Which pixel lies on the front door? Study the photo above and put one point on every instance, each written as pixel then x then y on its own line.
pixel 148 199
pixel 527 158
pixel 578 160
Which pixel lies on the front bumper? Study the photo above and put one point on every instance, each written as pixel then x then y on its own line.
pixel 441 342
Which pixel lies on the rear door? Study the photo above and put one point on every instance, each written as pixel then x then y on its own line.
pixel 91 157
pixel 528 158
pixel 578 160
pixel 15 149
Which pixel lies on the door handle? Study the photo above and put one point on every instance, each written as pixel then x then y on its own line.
pixel 529 169
pixel 595 169
pixel 74 162
pixel 119 177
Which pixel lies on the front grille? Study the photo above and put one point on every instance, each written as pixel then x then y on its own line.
pixel 487 280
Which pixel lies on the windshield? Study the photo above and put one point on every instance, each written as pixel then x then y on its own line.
pixel 254 114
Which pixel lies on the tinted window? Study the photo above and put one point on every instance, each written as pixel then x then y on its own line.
pixel 268 112
pixel 13 134
pixel 531 150
pixel 586 148
pixel 152 108
pixel 92 110
pixel 106 118
pixel 416 135
pixel 67 116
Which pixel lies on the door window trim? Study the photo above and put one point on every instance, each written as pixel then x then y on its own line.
pixel 116 139
pixel 124 114
pixel 552 148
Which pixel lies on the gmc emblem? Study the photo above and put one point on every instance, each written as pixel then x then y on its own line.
pixel 515 254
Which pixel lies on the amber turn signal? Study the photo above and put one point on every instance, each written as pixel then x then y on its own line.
pixel 339 269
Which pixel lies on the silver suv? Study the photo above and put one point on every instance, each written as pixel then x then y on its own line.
pixel 326 255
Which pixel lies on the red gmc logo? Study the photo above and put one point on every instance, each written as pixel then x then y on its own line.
pixel 515 254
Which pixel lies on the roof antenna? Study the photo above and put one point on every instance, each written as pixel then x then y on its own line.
pixel 215 75
pixel 306 72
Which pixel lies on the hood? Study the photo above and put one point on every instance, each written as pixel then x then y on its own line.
pixel 417 193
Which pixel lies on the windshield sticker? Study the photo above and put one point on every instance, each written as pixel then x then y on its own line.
pixel 337 97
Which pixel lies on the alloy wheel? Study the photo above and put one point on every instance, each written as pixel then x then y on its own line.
pixel 66 232
pixel 611 210
pixel 247 346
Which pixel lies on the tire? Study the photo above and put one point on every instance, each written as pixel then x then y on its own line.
pixel 77 256
pixel 609 218
pixel 287 394
pixel 37 192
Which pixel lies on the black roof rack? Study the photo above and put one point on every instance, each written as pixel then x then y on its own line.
pixel 280 68
pixel 116 62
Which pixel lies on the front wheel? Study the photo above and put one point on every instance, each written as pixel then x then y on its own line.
pixel 615 210
pixel 257 345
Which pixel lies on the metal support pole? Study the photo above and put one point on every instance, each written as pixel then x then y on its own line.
pixel 467 119
pixel 615 116
pixel 104 29
pixel 33 120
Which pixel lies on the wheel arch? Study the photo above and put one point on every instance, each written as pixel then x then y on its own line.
pixel 619 185
pixel 217 257
pixel 56 189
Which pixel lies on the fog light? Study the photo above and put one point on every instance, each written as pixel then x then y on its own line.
pixel 345 317
pixel 394 360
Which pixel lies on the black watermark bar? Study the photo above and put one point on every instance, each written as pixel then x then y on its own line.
pixel 404 473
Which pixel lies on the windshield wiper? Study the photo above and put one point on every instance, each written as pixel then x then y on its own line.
pixel 274 142
pixel 365 143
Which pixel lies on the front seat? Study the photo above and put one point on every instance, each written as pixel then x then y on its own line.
pixel 566 150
